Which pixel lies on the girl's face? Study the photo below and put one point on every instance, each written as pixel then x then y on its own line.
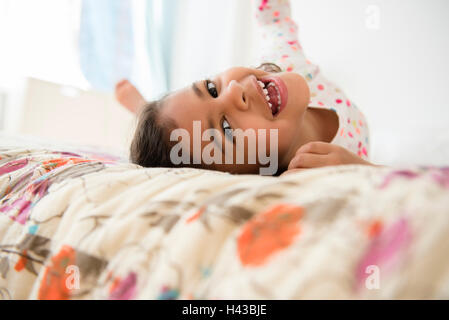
pixel 234 100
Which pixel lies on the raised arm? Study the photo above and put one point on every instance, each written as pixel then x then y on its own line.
pixel 128 96
pixel 278 35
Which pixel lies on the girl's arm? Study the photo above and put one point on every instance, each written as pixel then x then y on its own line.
pixel 128 96
pixel 321 154
pixel 278 35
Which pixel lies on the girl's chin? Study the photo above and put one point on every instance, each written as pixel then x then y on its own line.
pixel 294 112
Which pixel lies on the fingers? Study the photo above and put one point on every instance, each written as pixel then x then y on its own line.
pixel 308 160
pixel 317 147
pixel 312 155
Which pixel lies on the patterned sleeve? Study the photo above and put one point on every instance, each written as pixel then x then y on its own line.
pixel 278 36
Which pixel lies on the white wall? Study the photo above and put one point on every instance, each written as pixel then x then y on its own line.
pixel 211 35
pixel 396 73
pixel 39 39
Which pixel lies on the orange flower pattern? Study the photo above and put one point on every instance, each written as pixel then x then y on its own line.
pixel 204 241
pixel 54 282
pixel 268 233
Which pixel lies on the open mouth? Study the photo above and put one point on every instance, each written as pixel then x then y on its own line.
pixel 272 94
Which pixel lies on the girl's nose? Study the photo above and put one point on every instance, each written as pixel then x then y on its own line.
pixel 237 94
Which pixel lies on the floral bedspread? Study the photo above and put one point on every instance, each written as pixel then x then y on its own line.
pixel 79 226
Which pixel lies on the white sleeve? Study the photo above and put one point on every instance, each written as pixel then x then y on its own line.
pixel 278 36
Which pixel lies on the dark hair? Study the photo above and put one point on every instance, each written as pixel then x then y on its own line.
pixel 270 67
pixel 151 145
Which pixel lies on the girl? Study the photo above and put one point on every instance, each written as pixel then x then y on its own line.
pixel 317 124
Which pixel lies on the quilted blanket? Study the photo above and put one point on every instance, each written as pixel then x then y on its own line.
pixel 84 226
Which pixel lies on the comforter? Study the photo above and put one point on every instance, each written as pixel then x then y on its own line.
pixel 87 226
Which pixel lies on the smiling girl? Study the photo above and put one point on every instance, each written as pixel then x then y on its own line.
pixel 317 124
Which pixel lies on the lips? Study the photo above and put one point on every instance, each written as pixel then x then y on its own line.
pixel 282 88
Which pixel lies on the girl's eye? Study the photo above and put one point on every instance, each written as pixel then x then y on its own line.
pixel 211 88
pixel 227 130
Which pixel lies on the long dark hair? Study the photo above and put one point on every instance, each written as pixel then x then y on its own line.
pixel 151 145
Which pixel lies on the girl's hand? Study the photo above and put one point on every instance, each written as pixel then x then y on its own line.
pixel 320 154
pixel 128 96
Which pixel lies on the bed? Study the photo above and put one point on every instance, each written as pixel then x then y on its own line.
pixel 84 224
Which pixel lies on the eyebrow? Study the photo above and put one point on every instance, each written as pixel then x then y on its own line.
pixel 197 91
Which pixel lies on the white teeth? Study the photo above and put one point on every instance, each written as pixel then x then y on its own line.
pixel 265 91
pixel 271 84
pixel 267 96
